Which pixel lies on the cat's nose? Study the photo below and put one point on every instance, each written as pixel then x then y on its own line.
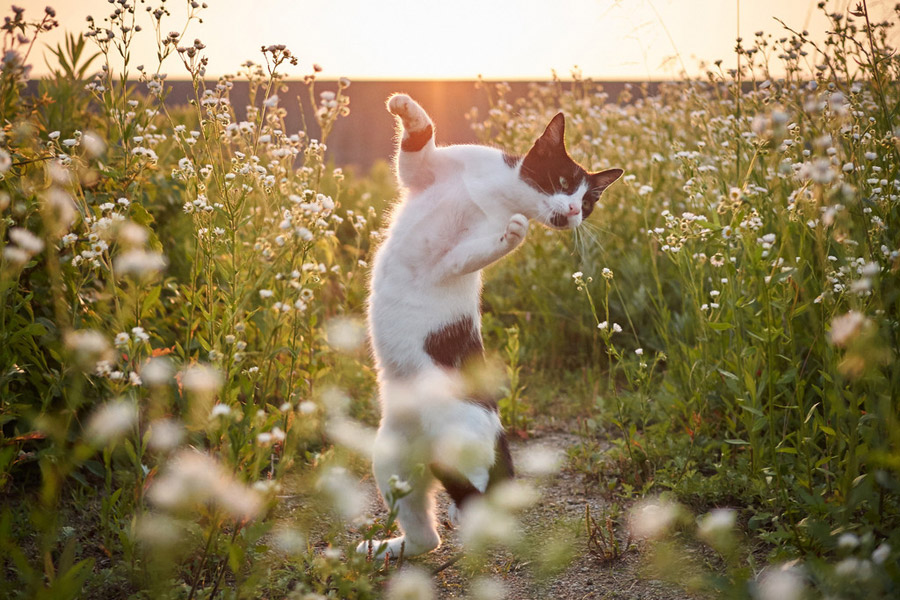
pixel 574 209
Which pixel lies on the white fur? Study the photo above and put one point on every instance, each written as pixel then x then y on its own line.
pixel 464 208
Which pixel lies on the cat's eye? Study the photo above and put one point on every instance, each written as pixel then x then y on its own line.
pixel 563 182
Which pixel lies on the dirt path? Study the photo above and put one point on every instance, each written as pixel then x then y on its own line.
pixel 563 498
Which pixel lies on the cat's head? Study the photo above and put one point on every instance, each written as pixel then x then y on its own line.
pixel 567 192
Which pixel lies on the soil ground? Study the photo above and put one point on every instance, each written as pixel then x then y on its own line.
pixel 563 498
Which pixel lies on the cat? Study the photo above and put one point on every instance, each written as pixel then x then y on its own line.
pixel 464 207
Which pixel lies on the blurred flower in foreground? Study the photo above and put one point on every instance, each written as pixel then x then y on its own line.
pixel 845 328
pixel 410 584
pixel 351 434
pixel 201 379
pixel 781 583
pixel 88 347
pixel 111 420
pixel 165 435
pixel 159 531
pixel 139 263
pixel 717 527
pixel 485 522
pixel 26 240
pixel 289 540
pixel 345 334
pixel 652 519
pixel 716 522
pixel 881 554
pixel 343 490
pixel 488 588
pixel 540 460
pixel 157 371
pixel 193 478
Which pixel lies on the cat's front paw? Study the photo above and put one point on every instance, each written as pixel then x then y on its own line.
pixel 515 231
pixel 412 115
pixel 399 105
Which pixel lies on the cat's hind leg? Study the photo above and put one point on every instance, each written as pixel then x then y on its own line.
pixel 476 480
pixel 416 141
pixel 415 510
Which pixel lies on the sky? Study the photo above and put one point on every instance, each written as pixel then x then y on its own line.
pixel 460 39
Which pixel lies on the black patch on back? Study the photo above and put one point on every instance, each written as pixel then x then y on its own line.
pixel 511 160
pixel 454 344
pixel 482 399
pixel 416 140
pixel 503 465
pixel 458 487
pixel 461 489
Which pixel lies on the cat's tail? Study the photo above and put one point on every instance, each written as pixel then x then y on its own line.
pixel 418 130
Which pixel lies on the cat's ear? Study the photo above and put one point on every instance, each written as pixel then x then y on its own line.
pixel 553 138
pixel 602 180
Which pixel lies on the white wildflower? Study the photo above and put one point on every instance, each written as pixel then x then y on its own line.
pixel 783 583
pixel 111 420
pixel 345 334
pixel 201 379
pixel 157 371
pixel 881 553
pixel 165 435
pixel 652 519
pixel 343 490
pixel 26 240
pixel 541 460
pixel 846 327
pixel 411 583
pixel 139 263
pixel 220 410
pixel 717 523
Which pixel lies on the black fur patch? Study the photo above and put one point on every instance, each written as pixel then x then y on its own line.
pixel 458 487
pixel 511 160
pixel 588 201
pixel 454 344
pixel 461 489
pixel 597 182
pixel 416 140
pixel 503 465
pixel 482 399
pixel 550 170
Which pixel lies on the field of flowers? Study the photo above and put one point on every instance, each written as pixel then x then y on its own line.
pixel 186 396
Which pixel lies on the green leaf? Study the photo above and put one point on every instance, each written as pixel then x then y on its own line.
pixel 737 442
pixel 810 413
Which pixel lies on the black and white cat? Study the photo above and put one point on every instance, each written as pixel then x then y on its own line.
pixel 465 207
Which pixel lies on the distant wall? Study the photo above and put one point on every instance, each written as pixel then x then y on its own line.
pixel 366 135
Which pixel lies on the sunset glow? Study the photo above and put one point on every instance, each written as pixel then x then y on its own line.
pixel 427 39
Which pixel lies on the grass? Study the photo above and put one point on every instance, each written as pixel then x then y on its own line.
pixel 182 292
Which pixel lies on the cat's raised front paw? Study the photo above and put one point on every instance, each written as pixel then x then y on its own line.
pixel 515 230
pixel 413 116
pixel 399 105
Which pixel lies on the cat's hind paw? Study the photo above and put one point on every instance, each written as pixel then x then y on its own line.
pixel 395 547
pixel 515 230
